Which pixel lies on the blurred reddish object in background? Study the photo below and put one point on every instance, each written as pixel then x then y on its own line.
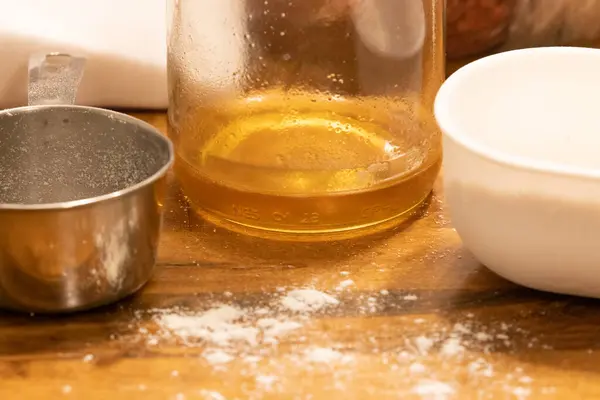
pixel 477 26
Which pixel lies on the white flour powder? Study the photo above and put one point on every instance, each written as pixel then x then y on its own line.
pixel 303 300
pixel 344 284
pixel 324 355
pixel 211 395
pixel 266 340
pixel 226 332
pixel 433 390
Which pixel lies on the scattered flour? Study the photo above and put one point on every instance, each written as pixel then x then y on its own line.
pixel 303 300
pixel 480 367
pixel 483 337
pixel 217 326
pixel 525 379
pixel 423 344
pixel 266 382
pixel 433 390
pixel 211 395
pixel 217 357
pixel 227 332
pixel 344 285
pixel 521 392
pixel 461 329
pixel 323 355
pixel 452 347
pixel 417 368
pixel 273 328
pixel 264 341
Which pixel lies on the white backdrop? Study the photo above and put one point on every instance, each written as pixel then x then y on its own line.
pixel 123 40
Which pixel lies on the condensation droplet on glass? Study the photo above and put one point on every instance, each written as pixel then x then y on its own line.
pixel 282 15
pixel 286 57
pixel 363 177
pixel 282 33
pixel 378 167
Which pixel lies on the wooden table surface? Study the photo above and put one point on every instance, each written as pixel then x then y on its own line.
pixel 416 318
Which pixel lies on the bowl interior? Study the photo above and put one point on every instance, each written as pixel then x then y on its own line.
pixel 52 154
pixel 534 107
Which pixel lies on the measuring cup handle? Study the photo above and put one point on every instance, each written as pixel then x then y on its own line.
pixel 54 78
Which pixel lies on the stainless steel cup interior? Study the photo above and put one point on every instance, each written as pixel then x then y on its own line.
pixel 81 191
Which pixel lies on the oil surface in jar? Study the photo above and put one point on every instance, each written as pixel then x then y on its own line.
pixel 294 162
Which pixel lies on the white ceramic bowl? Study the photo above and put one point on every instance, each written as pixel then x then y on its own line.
pixel 522 165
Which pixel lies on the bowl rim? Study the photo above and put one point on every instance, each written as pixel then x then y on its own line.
pixel 451 129
pixel 69 204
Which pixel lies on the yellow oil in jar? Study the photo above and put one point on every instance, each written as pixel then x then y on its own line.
pixel 285 164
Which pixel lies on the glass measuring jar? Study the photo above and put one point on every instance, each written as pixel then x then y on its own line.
pixel 305 119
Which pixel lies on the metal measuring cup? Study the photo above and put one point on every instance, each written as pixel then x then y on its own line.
pixel 80 196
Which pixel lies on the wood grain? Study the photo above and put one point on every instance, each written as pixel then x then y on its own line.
pixel 540 346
